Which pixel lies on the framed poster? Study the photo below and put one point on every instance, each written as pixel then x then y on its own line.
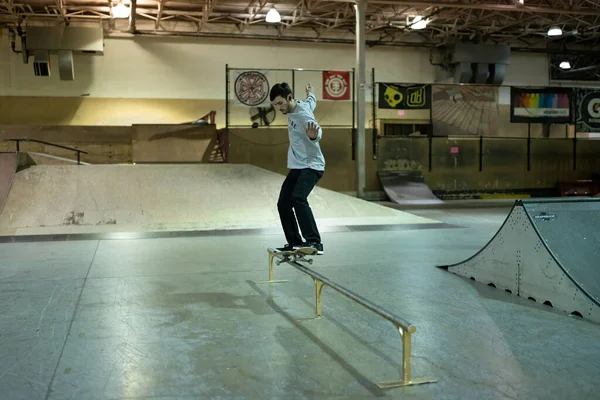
pixel 541 105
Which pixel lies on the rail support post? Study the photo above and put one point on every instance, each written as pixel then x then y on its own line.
pixel 406 380
pixel 318 302
pixel 271 271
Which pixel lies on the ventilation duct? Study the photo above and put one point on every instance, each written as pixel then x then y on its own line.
pixel 77 39
pixel 479 63
pixel 41 63
pixel 64 41
pixel 65 65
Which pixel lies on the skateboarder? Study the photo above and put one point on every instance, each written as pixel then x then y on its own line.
pixel 306 167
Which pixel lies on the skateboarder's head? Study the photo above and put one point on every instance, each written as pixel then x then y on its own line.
pixel 282 97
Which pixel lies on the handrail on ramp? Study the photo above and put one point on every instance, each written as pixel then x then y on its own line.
pixel 405 328
pixel 19 140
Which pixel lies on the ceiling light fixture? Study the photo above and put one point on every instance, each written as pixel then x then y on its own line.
pixel 120 11
pixel 565 65
pixel 554 31
pixel 418 23
pixel 273 16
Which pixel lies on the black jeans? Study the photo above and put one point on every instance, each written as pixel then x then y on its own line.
pixel 293 196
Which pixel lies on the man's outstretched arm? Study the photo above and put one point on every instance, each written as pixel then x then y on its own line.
pixel 311 99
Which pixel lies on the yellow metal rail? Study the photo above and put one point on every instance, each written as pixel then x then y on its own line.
pixel 405 328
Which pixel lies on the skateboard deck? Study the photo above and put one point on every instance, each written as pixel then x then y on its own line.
pixel 297 255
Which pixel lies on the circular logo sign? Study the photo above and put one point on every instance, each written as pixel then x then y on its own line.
pixel 336 85
pixel 251 88
pixel 590 109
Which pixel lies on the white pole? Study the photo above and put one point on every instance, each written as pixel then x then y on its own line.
pixel 360 7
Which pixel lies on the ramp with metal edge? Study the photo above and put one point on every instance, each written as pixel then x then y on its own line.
pixel 407 188
pixel 546 250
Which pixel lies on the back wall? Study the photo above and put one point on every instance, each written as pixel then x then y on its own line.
pixel 158 80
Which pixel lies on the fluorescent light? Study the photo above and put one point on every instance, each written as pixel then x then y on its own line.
pixel 554 31
pixel 120 11
pixel 565 65
pixel 418 23
pixel 273 16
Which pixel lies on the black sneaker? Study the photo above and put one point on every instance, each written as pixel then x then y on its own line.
pixel 317 246
pixel 285 248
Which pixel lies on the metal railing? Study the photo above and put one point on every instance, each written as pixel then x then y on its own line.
pixel 48 144
pixel 405 328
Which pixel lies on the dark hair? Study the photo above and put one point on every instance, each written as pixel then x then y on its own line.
pixel 280 89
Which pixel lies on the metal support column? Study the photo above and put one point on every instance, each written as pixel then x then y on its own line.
pixel 360 7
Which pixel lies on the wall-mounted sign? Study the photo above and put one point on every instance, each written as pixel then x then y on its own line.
pixel 251 88
pixel 336 85
pixel 404 97
pixel 541 105
pixel 587 110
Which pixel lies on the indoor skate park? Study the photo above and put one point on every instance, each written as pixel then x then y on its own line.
pixel 140 167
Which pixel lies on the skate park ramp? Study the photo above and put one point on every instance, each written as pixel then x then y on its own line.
pixel 72 199
pixel 408 188
pixel 10 164
pixel 8 167
pixel 547 250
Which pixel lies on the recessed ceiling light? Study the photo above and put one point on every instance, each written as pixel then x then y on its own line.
pixel 565 65
pixel 273 16
pixel 554 31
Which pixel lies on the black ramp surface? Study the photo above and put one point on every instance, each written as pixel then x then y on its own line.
pixel 547 250
pixel 571 231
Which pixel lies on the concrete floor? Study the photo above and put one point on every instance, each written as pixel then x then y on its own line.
pixel 112 320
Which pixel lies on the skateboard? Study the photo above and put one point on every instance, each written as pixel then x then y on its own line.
pixel 296 255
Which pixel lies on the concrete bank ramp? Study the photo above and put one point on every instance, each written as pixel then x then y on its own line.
pixel 8 167
pixel 547 250
pixel 10 164
pixel 134 198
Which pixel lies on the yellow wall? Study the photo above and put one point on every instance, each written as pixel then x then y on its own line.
pixel 26 110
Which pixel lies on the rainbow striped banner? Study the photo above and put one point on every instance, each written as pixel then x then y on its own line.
pixel 547 104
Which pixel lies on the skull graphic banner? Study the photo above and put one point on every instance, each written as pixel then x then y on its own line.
pixel 404 97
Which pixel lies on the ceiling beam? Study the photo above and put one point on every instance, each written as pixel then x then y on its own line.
pixel 483 6
pixel 161 8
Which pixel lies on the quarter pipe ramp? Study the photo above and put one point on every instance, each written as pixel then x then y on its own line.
pixel 546 250
pixel 407 188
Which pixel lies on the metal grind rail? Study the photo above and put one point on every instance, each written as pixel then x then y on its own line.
pixel 405 328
